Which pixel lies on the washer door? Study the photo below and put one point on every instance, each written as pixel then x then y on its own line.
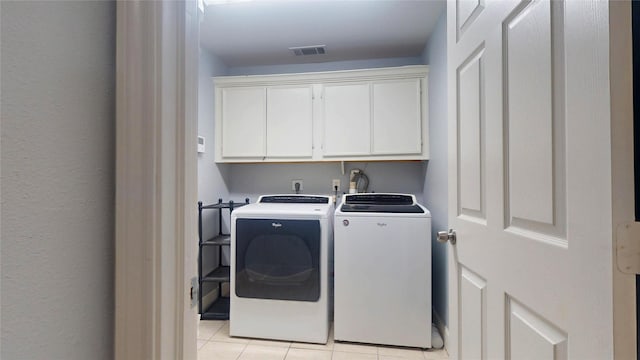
pixel 278 259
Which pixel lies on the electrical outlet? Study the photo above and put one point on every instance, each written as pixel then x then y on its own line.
pixel 334 183
pixel 293 185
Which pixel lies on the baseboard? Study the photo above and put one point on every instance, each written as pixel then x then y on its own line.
pixel 444 330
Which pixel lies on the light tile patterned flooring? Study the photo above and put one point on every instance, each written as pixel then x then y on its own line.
pixel 214 343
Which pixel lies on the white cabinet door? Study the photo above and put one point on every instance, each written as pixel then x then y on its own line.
pixel 347 120
pixel 397 117
pixel 290 121
pixel 243 122
pixel 372 114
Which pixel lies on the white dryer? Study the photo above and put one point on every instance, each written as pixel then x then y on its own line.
pixel 280 264
pixel 383 270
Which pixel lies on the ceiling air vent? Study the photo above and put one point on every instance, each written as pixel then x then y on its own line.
pixel 309 50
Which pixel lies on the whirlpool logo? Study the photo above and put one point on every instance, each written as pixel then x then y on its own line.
pixel 276 225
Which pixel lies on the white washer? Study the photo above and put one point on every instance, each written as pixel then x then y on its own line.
pixel 383 270
pixel 280 264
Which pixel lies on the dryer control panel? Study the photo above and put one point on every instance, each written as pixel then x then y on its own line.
pixel 294 199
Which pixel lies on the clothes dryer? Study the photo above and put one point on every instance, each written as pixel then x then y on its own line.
pixel 281 248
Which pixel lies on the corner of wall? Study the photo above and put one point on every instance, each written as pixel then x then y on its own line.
pixel 425 55
pixel 435 190
pixel 212 177
pixel 442 328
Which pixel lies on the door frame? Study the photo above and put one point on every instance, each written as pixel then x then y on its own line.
pixel 622 173
pixel 156 179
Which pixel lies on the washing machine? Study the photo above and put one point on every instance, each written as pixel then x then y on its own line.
pixel 383 270
pixel 281 252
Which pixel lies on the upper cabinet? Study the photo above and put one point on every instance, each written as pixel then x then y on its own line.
pixel 396 127
pixel 260 122
pixel 358 115
pixel 243 122
pixel 347 119
pixel 290 122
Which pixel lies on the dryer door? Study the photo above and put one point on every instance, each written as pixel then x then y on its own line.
pixel 278 259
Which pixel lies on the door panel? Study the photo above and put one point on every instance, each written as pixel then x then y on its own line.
pixel 534 120
pixel 528 103
pixel 468 11
pixel 532 337
pixel 347 120
pixel 536 184
pixel 530 158
pixel 472 314
pixel 289 121
pixel 471 161
pixel 397 122
pixel 243 122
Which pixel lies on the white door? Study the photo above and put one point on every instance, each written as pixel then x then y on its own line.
pixel 347 120
pixel 290 121
pixel 397 117
pixel 530 167
pixel 244 112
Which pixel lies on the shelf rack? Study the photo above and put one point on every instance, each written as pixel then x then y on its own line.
pixel 219 309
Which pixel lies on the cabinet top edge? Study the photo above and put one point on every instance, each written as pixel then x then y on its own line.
pixel 409 71
pixel 369 159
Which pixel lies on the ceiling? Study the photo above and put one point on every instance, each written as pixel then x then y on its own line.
pixel 253 33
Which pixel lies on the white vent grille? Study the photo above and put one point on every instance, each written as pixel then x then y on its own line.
pixel 309 50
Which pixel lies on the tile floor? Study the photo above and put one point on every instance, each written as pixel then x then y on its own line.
pixel 214 343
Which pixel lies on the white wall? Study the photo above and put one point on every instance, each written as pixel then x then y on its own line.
pixel 435 185
pixel 58 135
pixel 212 177
pixel 252 180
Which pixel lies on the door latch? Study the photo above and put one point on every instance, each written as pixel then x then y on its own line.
pixel 193 292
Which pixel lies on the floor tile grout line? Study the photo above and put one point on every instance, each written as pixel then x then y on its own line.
pixel 290 345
